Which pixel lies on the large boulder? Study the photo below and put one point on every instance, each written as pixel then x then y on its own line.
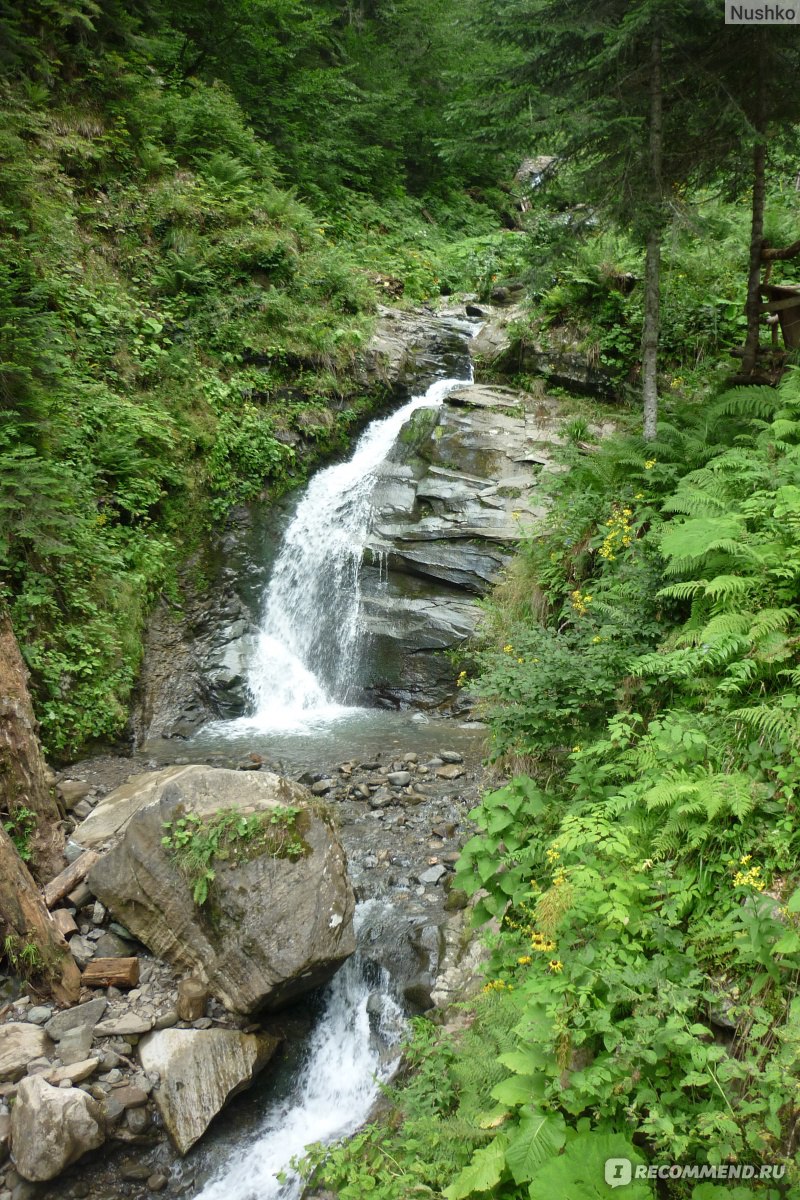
pixel 200 1070
pixel 20 1043
pixel 271 927
pixel 52 1127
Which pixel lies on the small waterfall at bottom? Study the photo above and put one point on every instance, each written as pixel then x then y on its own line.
pixel 352 1050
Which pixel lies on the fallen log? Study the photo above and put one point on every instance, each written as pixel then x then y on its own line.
pixel 111 972
pixel 69 878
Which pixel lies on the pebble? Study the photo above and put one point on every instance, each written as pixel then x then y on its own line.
pixel 157 1182
pixel 112 1109
pixel 451 756
pixel 399 778
pixel 130 1097
pixel 453 771
pixel 137 1119
pixel 322 787
pixel 433 874
pixel 166 1020
pixel 39 1014
pixel 134 1171
pixel 381 798
pixel 202 1023
pixel 37 1065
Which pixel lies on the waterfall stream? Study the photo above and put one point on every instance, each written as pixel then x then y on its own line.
pixel 304 677
pixel 305 667
pixel 352 1050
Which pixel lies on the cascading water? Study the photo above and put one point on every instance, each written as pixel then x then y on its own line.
pixel 352 1051
pixel 305 666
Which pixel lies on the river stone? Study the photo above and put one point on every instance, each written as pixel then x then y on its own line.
pixel 75 1045
pixel 432 875
pixel 452 771
pixel 38 1015
pixel 73 1072
pixel 200 1071
pixel 273 928
pixel 129 1024
pixel 20 1044
pixel 52 1127
pixel 74 1018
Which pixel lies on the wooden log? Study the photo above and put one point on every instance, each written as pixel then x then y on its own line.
pixel 193 996
pixel 111 972
pixel 68 879
pixel 64 922
pixel 776 306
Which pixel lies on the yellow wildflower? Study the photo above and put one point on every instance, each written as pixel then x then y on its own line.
pixel 508 648
pixel 556 966
pixel 524 959
pixel 650 463
pixel 745 859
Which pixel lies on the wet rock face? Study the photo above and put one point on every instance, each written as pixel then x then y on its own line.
pixel 272 929
pixel 459 490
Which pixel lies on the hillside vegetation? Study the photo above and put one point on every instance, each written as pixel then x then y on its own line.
pixel 201 206
pixel 179 333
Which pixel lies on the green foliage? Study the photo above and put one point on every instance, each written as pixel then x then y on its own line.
pixel 198 843
pixel 640 870
pixel 20 826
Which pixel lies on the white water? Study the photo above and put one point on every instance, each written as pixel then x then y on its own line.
pixel 304 669
pixel 335 1091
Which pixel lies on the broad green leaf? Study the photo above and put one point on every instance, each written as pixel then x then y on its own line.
pixel 580 1172
pixel 540 1136
pixel 519 1089
pixel 482 1173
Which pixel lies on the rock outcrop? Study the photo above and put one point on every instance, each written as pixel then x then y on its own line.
pixel 507 343
pixel 460 489
pixel 272 927
pixel 52 1127
pixel 200 1070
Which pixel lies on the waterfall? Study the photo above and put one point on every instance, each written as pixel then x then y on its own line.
pixel 352 1050
pixel 305 666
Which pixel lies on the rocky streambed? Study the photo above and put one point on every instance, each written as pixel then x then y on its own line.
pixel 128 1080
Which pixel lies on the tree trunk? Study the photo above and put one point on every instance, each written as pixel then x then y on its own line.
pixel 753 304
pixel 652 271
pixel 23 774
pixel 29 939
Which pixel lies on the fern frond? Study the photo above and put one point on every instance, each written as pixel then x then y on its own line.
pixel 770 721
pixel 746 402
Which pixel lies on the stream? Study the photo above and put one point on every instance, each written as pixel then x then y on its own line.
pixel 305 684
